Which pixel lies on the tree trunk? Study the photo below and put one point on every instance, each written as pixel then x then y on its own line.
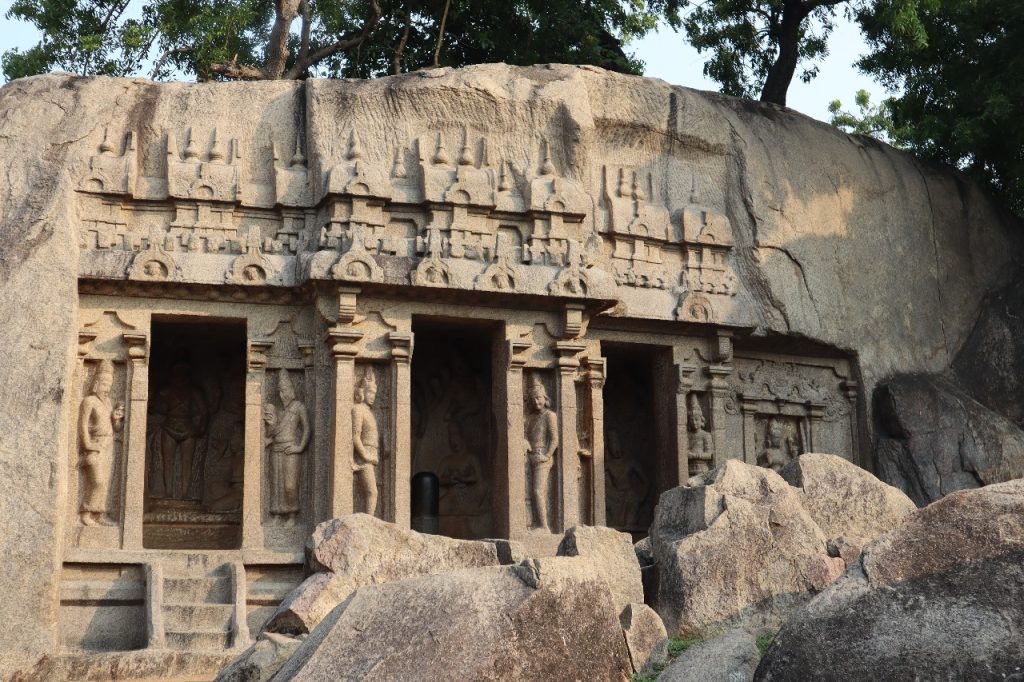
pixel 781 74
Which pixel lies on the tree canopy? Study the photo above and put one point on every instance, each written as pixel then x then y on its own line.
pixel 256 39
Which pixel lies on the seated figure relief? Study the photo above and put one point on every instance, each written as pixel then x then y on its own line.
pixel 779 446
pixel 98 421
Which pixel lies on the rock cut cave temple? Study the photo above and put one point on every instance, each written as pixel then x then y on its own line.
pixel 283 322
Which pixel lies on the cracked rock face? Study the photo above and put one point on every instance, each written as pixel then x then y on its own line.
pixel 939 597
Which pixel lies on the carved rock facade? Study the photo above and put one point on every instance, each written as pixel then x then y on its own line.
pixel 303 294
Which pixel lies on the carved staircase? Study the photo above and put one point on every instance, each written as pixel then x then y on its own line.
pixel 199 606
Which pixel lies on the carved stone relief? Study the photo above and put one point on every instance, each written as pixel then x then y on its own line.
pixel 288 433
pixel 782 440
pixel 366 440
pixel 452 433
pixel 701 444
pixel 99 421
pixel 541 432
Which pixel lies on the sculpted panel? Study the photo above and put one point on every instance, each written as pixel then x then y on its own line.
pixel 288 433
pixel 365 442
pixel 701 451
pixel 542 443
pixel 98 423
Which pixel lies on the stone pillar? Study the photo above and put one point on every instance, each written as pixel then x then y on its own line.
pixel 719 389
pixel 850 391
pixel 568 437
pixel 401 426
pixel 750 444
pixel 307 487
pixel 343 346
pixel 252 486
pixel 684 384
pixel 135 440
pixel 596 369
pixel 514 450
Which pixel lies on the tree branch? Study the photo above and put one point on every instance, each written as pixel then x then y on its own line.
pixel 396 60
pixel 440 35
pixel 277 46
pixel 307 22
pixel 301 65
pixel 236 71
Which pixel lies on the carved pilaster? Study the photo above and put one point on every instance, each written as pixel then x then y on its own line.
pixel 568 438
pixel 684 383
pixel 135 438
pixel 719 389
pixel 594 373
pixel 517 522
pixel 401 419
pixel 343 347
pixel 252 491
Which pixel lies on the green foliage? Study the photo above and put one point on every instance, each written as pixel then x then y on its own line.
pixel 765 640
pixel 870 120
pixel 677 646
pixel 79 36
pixel 962 85
pixel 652 674
pixel 227 39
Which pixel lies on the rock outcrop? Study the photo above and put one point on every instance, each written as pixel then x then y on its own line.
pixel 933 438
pixel 851 506
pixel 478 624
pixel 359 550
pixel 939 597
pixel 646 638
pixel 736 548
pixel 611 553
pixel 731 657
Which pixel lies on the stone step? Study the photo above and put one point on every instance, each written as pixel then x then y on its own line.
pixel 195 566
pixel 188 591
pixel 185 617
pixel 198 640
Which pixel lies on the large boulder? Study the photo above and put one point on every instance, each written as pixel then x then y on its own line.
pixel 850 505
pixel 933 439
pixel 731 657
pixel 612 553
pixel 939 597
pixel 736 548
pixel 358 550
pixel 260 661
pixel 645 635
pixel 478 624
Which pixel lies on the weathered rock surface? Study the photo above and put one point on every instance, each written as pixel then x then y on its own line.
pixel 612 554
pixel 478 624
pixel 359 550
pixel 844 499
pixel 934 439
pixel 731 657
pixel 260 661
pixel 646 638
pixel 736 548
pixel 939 597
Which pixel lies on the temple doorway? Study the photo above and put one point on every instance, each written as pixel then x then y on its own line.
pixel 195 434
pixel 636 449
pixel 453 434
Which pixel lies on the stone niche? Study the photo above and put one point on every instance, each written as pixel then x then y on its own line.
pixel 195 435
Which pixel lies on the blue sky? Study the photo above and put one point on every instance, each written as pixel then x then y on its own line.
pixel 668 56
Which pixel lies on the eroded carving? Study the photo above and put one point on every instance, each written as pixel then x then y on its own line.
pixel 365 441
pixel 782 440
pixel 99 419
pixel 288 433
pixel 626 485
pixel 154 263
pixel 701 444
pixel 184 420
pixel 542 443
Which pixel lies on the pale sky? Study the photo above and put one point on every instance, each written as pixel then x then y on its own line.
pixel 668 56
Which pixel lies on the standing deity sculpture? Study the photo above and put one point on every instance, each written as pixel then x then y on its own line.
pixel 288 431
pixel 365 441
pixel 98 421
pixel 542 441
pixel 184 424
pixel 626 486
pixel 701 444
pixel 778 447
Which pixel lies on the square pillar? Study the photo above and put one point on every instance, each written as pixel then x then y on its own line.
pixel 513 446
pixel 596 370
pixel 135 440
pixel 401 420
pixel 568 435
pixel 343 347
pixel 719 388
pixel 252 485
